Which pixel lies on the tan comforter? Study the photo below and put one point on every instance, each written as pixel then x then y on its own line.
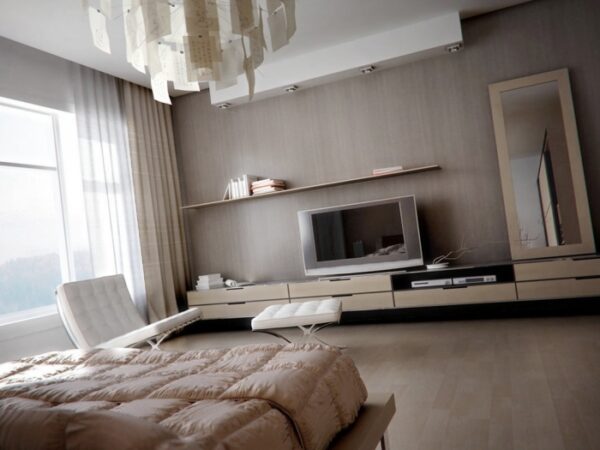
pixel 250 397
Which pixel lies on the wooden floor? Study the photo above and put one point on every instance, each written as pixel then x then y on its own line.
pixel 481 384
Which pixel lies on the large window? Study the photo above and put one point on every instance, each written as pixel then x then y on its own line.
pixel 66 202
pixel 33 251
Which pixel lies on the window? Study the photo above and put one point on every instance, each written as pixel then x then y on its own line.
pixel 66 203
pixel 33 254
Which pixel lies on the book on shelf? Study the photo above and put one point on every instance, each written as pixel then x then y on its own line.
pixel 240 186
pixel 227 194
pixel 247 181
pixel 232 189
pixel 206 287
pixel 268 182
pixel 386 170
pixel 267 189
pixel 210 281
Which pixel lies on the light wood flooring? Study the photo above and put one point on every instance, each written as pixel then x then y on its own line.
pixel 483 384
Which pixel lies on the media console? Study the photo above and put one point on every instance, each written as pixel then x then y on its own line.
pixel 489 283
pixel 453 277
pixel 454 286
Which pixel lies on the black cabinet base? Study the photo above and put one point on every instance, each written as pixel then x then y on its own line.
pixel 487 311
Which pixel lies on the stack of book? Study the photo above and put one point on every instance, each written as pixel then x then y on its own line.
pixel 387 170
pixel 239 187
pixel 267 185
pixel 211 281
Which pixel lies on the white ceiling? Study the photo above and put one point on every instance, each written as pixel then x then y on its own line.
pixel 60 27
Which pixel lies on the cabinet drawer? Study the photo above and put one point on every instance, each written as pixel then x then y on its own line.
pixel 560 268
pixel 242 294
pixel 552 289
pixel 233 311
pixel 488 293
pixel 360 302
pixel 341 286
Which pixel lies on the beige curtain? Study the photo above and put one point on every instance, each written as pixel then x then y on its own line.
pixel 157 199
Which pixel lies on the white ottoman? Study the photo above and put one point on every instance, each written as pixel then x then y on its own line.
pixel 310 317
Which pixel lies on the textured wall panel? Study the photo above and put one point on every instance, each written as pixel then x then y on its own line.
pixel 433 111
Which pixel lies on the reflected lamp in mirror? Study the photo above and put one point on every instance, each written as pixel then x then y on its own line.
pixel 543 185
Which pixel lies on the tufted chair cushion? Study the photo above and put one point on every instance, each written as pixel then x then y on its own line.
pixel 95 311
pixel 299 314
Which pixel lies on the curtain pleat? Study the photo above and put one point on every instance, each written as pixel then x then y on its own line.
pixel 103 230
pixel 158 200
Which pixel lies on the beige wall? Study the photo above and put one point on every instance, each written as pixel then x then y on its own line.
pixel 433 111
pixel 30 75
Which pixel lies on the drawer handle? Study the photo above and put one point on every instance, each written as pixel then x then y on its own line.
pixel 589 277
pixel 341 295
pixel 455 287
pixel 237 303
pixel 584 258
pixel 338 279
pixel 234 289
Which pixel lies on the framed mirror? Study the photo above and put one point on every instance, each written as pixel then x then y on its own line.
pixel 543 185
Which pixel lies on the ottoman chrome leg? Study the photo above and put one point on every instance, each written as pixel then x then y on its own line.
pixel 311 333
pixel 273 333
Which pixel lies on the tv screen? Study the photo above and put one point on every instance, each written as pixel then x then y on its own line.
pixel 362 237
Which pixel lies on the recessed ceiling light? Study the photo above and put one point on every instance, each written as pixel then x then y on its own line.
pixel 367 69
pixel 291 89
pixel 224 105
pixel 454 48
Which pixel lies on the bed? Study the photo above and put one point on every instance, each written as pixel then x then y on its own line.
pixel 251 397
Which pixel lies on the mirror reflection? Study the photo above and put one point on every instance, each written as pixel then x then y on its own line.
pixel 540 169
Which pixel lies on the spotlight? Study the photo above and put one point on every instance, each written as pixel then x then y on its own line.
pixel 454 48
pixel 367 69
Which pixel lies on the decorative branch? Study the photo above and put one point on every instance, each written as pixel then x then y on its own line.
pixel 463 249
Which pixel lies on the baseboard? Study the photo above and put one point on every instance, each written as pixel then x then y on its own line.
pixel 487 311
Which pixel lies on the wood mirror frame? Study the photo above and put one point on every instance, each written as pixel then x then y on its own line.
pixel 585 244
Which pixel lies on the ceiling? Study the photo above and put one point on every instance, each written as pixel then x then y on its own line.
pixel 60 27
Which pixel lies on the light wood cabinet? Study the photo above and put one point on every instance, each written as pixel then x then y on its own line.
pixel 236 310
pixel 535 280
pixel 557 289
pixel 360 302
pixel 242 294
pixel 485 293
pixel 558 268
pixel 341 286
pixel 558 279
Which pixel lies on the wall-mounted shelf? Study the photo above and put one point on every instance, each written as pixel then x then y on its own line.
pixel 316 186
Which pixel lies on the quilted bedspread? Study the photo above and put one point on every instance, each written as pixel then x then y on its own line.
pixel 250 397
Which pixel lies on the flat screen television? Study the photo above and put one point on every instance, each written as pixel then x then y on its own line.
pixel 361 237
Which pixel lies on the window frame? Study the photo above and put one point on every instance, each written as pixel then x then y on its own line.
pixel 66 264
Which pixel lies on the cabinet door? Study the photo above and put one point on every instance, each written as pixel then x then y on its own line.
pixel 556 289
pixel 236 310
pixel 241 294
pixel 485 293
pixel 360 302
pixel 560 268
pixel 341 286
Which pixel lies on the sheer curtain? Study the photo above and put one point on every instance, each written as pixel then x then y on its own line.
pixel 158 201
pixel 102 232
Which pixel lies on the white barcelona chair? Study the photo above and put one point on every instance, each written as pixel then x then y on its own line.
pixel 100 313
